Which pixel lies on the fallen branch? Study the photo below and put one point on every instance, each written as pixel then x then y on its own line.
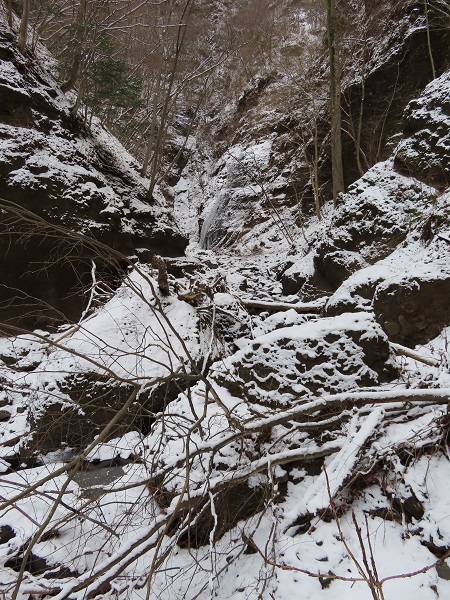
pixel 349 399
pixel 442 237
pixel 402 351
pixel 269 461
pixel 336 403
pixel 331 404
pixel 309 307
pixel 341 466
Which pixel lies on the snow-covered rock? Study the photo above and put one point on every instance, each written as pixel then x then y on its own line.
pixel 426 152
pixel 54 165
pixel 327 355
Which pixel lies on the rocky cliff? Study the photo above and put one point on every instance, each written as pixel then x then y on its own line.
pixel 269 419
pixel 54 165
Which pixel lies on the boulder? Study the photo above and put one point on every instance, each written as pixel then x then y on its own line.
pixel 300 276
pixel 7 533
pixel 325 356
pixel 86 403
pixel 292 282
pixel 373 218
pixel 292 275
pixel 336 266
pixel 356 293
pixel 235 502
pixel 425 154
pixel 413 310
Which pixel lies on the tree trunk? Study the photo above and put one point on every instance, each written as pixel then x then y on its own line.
pixel 163 282
pixel 10 19
pixel 335 101
pixel 430 53
pixel 24 25
pixel 74 72
pixel 158 149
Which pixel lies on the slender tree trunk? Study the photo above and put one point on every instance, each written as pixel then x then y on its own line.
pixel 162 131
pixel 335 101
pixel 76 106
pixel 74 72
pixel 10 19
pixel 316 173
pixel 360 127
pixel 313 163
pixel 24 25
pixel 430 52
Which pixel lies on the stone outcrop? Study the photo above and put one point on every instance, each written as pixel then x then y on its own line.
pixel 325 356
pixel 425 154
pixel 373 218
pixel 53 165
pixel 413 310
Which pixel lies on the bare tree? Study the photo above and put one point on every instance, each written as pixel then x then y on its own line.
pixel 171 48
pixel 79 42
pixel 335 101
pixel 24 21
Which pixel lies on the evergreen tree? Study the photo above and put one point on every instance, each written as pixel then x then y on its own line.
pixel 108 86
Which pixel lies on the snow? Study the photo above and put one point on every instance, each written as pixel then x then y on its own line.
pixel 382 444
pixel 10 74
pixel 128 338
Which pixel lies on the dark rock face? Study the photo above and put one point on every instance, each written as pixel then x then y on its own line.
pixel 92 403
pixel 232 504
pixel 292 282
pixel 36 565
pixel 7 533
pixel 297 280
pixel 404 72
pixel 409 290
pixel 54 166
pixel 413 311
pixel 337 266
pixel 425 154
pixel 93 400
pixel 44 281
